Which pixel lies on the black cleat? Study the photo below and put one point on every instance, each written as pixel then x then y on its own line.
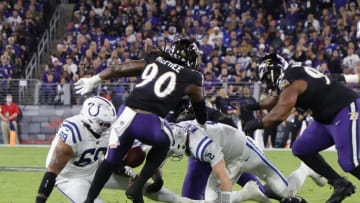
pixel 295 199
pixel 134 193
pixel 342 189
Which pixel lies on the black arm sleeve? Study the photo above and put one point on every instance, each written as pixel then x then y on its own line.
pixel 200 111
pixel 46 186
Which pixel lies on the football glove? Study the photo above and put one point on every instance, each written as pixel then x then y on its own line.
pixel 252 107
pixel 252 125
pixel 85 85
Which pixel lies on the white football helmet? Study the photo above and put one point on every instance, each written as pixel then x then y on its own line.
pixel 98 113
pixel 177 150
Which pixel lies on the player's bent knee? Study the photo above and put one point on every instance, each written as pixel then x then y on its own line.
pixel 297 148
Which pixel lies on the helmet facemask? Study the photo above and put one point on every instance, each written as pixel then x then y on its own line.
pixel 186 53
pixel 270 70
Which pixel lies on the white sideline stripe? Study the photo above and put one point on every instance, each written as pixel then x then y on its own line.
pixel 22 169
pixel 26 145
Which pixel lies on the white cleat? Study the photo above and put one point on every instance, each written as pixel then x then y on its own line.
pixel 318 179
pixel 255 193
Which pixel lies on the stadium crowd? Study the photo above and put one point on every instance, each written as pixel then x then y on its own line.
pixel 231 34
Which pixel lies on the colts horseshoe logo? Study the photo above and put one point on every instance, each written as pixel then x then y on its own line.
pixel 92 111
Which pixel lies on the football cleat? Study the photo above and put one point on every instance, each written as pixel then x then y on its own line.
pixel 295 199
pixel 134 193
pixel 342 189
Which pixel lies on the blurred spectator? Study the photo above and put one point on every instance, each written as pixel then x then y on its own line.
pixel 246 98
pixel 350 59
pixel 59 96
pixel 48 89
pixel 9 113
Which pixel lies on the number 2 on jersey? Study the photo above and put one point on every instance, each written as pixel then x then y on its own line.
pixel 164 84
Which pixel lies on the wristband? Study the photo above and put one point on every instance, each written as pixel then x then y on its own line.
pixel 254 106
pixel 353 78
pixel 225 197
pixel 96 79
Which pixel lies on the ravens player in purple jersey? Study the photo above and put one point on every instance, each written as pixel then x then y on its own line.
pixel 334 107
pixel 167 75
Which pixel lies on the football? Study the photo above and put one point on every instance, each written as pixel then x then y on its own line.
pixel 135 157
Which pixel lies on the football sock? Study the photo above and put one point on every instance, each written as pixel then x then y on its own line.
pixel 296 180
pixel 317 163
pixel 164 195
pixel 102 175
pixel 250 191
pixel 154 158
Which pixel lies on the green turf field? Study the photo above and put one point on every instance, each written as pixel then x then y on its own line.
pixel 21 186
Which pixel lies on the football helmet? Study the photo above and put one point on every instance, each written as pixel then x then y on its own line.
pixel 98 114
pixel 177 150
pixel 271 67
pixel 185 52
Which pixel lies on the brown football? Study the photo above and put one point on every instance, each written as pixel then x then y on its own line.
pixel 135 157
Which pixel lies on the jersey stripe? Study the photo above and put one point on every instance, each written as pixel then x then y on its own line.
pixel 72 132
pixel 203 150
pixel 354 141
pixel 77 130
pixel 200 147
pixel 254 148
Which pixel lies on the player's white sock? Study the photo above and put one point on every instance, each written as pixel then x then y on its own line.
pixel 164 195
pixel 318 179
pixel 250 191
pixel 297 179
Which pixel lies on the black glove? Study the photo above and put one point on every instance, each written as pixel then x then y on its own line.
pixel 155 186
pixel 252 107
pixel 252 125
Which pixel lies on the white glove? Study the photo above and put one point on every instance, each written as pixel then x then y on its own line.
pixel 85 85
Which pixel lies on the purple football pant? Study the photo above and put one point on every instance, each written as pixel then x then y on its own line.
pixel 146 128
pixel 197 176
pixel 343 131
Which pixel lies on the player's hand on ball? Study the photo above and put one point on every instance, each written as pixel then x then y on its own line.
pixel 155 186
pixel 252 125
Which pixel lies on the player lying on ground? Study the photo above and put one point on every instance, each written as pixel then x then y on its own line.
pixel 334 107
pixel 74 156
pixel 220 142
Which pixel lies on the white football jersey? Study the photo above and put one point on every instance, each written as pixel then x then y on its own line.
pixel 216 142
pixel 87 149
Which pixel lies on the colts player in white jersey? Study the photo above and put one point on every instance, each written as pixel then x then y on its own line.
pixel 222 142
pixel 80 144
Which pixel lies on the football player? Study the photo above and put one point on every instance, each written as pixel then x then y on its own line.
pixel 223 143
pixel 334 107
pixel 78 147
pixel 167 75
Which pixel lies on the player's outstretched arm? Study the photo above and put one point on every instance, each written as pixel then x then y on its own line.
pixel 127 69
pixel 61 155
